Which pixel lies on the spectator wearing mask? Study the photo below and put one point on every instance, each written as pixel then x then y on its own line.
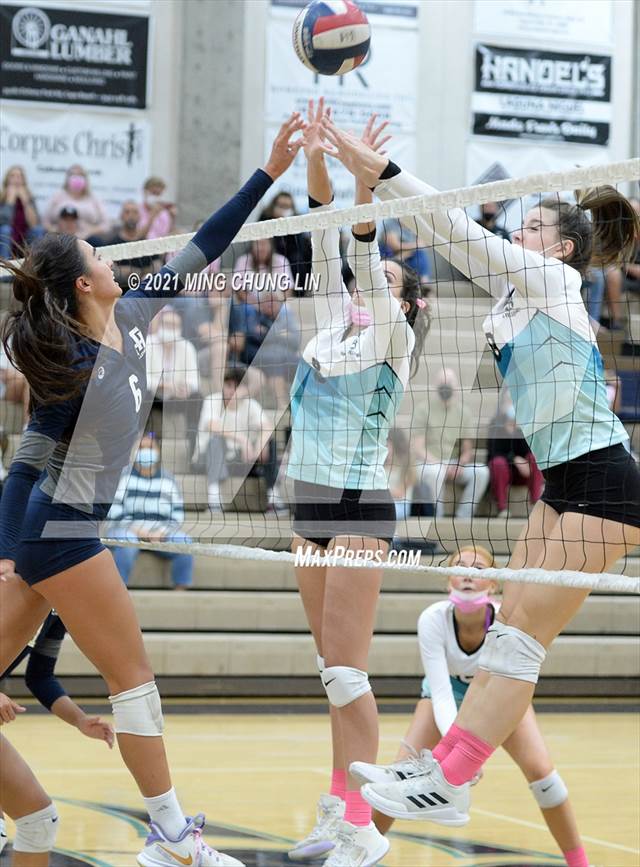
pixel 262 259
pixel 148 507
pixel 76 193
pixel 19 219
pixel 444 452
pixel 230 436
pixel 296 249
pixel 511 461
pixel 489 213
pixel 157 214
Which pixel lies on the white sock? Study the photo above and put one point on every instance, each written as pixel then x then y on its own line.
pixel 165 811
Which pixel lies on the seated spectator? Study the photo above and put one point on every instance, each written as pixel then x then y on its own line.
pixel 19 219
pixel 230 436
pixel 489 214
pixel 262 259
pixel 76 193
pixel 157 215
pixel 172 369
pixel 68 221
pixel 296 249
pixel 125 232
pixel 398 242
pixel 444 452
pixel 511 461
pixel 280 350
pixel 148 507
pixel 245 331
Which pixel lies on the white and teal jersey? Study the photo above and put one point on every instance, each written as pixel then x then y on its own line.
pixel 539 331
pixel 346 393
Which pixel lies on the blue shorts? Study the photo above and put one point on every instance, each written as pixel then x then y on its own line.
pixel 458 686
pixel 39 558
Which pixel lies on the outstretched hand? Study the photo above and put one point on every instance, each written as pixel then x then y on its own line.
pixel 371 134
pixel 355 154
pixel 285 148
pixel 314 135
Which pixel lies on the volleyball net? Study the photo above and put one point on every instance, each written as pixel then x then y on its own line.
pixel 260 378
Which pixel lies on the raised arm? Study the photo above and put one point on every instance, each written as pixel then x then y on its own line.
pixel 488 260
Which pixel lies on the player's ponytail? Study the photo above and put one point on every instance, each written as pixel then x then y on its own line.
pixel 417 315
pixel 607 237
pixel 38 338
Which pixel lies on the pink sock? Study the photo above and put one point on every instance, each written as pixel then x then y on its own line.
pixel 576 857
pixel 338 783
pixel 447 743
pixel 357 811
pixel 465 759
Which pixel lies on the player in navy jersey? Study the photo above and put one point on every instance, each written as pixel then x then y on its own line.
pixel 81 347
pixel 589 515
pixel 344 398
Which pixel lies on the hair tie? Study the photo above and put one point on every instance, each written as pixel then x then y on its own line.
pixel 421 303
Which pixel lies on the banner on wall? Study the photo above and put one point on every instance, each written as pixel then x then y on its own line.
pixel 114 151
pixel 73 56
pixel 543 95
pixel 386 83
pixel 565 20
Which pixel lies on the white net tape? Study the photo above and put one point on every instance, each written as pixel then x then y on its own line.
pixel 559 578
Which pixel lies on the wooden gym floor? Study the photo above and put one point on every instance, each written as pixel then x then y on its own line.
pixel 258 775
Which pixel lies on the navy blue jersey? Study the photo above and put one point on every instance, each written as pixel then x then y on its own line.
pixel 75 450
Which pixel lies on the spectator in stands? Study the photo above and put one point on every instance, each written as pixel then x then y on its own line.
pixel 19 219
pixel 444 451
pixel 125 232
pixel 489 213
pixel 230 436
pixel 76 193
pixel 148 507
pixel 173 379
pixel 510 459
pixel 397 242
pixel 245 331
pixel 262 259
pixel 157 213
pixel 296 249
pixel 280 350
pixel 68 221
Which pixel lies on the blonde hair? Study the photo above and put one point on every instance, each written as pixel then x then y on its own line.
pixel 478 550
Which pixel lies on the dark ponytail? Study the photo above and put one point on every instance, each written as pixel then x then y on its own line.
pixel 609 237
pixel 39 338
pixel 418 315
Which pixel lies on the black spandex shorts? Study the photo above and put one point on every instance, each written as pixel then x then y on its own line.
pixel 321 513
pixel 604 483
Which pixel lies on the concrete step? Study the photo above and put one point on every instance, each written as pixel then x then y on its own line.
pixel 271 611
pixel 258 655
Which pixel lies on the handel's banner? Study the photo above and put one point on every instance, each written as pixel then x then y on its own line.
pixel 544 95
pixel 73 56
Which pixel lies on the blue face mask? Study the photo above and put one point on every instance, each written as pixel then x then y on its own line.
pixel 147 457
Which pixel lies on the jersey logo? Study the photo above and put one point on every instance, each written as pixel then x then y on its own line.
pixel 137 393
pixel 139 342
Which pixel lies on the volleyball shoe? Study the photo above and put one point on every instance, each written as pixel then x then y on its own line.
pixel 414 765
pixel 322 838
pixel 357 846
pixel 189 849
pixel 429 797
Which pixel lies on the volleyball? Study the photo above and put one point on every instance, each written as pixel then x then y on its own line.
pixel 331 37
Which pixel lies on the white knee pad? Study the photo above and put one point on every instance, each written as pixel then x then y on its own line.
pixel 344 685
pixel 550 791
pixel 510 652
pixel 37 831
pixel 320 663
pixel 138 711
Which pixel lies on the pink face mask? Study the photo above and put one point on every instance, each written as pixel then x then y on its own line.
pixel 77 183
pixel 360 316
pixel 467 603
